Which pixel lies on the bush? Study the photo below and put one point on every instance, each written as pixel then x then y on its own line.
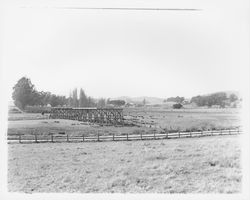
pixel 177 106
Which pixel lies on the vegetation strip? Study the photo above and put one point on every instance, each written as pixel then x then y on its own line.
pixel 101 138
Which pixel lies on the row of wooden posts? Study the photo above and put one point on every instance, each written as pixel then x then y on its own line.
pixel 55 138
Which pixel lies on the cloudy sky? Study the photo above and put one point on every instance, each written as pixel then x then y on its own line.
pixel 114 53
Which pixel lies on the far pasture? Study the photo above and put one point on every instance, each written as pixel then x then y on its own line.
pixel 145 120
pixel 185 119
pixel 191 165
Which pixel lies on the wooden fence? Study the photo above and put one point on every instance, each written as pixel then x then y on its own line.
pixel 127 137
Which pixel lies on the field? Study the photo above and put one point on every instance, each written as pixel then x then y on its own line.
pixel 191 165
pixel 185 119
pixel 198 165
pixel 146 120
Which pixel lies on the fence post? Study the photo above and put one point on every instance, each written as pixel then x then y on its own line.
pixel 35 138
pixel 67 138
pixel 98 137
pixel 201 133
pixel 127 136
pixel 113 137
pixel 179 134
pixel 154 136
pixel 212 133
pixel 190 133
pixel 221 132
pixel 238 130
pixel 229 132
pixel 52 137
pixel 83 137
pixel 141 136
pixel 20 138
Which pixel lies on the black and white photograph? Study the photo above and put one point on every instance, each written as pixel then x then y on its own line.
pixel 116 97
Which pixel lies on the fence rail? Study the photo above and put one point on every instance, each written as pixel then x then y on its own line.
pixel 127 137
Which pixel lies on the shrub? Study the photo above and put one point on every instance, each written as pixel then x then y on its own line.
pixel 177 106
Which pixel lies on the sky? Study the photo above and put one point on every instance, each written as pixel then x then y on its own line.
pixel 112 53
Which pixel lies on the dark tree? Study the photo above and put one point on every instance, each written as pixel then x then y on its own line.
pixel 117 102
pixel 91 102
pixel 75 98
pixel 101 103
pixel 233 97
pixel 177 106
pixel 83 100
pixel 175 99
pixel 24 93
pixel 70 99
pixel 218 98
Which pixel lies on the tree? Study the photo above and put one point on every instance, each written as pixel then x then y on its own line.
pixel 54 100
pixel 175 99
pixel 218 98
pixel 177 106
pixel 91 102
pixel 117 102
pixel 83 100
pixel 24 93
pixel 101 103
pixel 75 98
pixel 233 97
pixel 70 99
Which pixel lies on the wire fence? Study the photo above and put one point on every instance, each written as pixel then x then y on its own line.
pixel 55 137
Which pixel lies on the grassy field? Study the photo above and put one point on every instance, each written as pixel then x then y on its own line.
pixel 148 120
pixel 185 119
pixel 26 116
pixel 198 165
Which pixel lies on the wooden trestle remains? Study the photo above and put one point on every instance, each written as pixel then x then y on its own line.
pixel 111 116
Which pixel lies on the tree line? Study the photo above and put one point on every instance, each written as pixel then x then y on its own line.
pixel 220 98
pixel 175 99
pixel 24 94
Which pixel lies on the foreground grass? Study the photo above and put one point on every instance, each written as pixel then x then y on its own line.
pixel 197 165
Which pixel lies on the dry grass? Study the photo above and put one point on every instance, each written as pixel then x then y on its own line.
pixel 186 119
pixel 70 127
pixel 199 165
pixel 26 116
